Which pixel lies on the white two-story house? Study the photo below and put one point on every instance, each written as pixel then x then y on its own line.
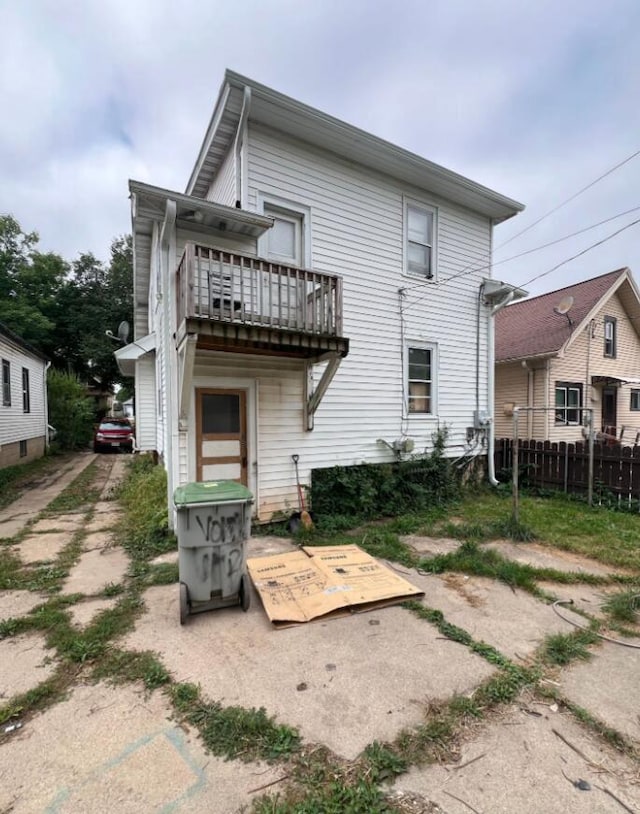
pixel 315 291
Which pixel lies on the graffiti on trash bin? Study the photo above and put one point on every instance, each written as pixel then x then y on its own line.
pixel 221 530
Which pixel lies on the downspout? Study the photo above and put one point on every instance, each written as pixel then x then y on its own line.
pixel 491 343
pixel 47 365
pixel 237 147
pixel 166 245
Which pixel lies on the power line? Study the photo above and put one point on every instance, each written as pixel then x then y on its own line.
pixel 584 251
pixel 571 198
pixel 470 269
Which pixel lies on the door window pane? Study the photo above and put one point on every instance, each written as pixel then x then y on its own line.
pixel 282 238
pixel 220 413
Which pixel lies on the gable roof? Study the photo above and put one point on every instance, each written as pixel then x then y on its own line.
pixel 240 97
pixel 8 334
pixel 532 328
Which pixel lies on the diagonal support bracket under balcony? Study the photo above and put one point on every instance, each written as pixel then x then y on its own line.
pixel 186 358
pixel 312 401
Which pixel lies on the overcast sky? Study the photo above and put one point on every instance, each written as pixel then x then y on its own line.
pixel 533 99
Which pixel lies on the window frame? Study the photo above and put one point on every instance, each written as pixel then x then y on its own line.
pixel 26 391
pixel 289 209
pixel 567 387
pixel 612 341
pixel 23 448
pixel 6 383
pixel 432 347
pixel 636 408
pixel 432 211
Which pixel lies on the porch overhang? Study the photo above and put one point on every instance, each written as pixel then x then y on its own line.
pixel 127 356
pixel 614 381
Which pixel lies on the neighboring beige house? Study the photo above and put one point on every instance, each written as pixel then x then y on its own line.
pixel 577 347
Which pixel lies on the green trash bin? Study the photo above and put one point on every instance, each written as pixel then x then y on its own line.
pixel 213 523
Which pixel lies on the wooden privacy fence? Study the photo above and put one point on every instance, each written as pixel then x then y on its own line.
pixel 616 469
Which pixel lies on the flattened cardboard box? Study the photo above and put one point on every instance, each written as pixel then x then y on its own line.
pixel 317 582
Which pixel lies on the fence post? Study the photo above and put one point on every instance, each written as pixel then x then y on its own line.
pixel 516 512
pixel 591 439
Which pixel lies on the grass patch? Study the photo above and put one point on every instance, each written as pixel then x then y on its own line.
pixel 623 606
pixel 122 666
pixel 234 732
pixel 80 492
pixel 15 479
pixel 563 648
pixel 144 531
pixel 338 797
pixel 45 694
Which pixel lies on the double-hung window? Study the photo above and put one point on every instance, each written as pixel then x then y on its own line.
pixel 421 380
pixel 26 396
pixel 635 401
pixel 610 337
pixel 568 402
pixel 419 239
pixel 6 383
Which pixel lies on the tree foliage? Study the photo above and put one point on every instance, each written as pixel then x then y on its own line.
pixel 63 309
pixel 70 410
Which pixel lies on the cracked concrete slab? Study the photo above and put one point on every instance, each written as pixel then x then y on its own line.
pixel 82 613
pixel 43 547
pixel 429 547
pixel 517 763
pixel 608 686
pixel 104 520
pixel 115 749
pixel 544 557
pixel 95 570
pixel 24 663
pixel 14 604
pixel 588 598
pixel 343 682
pixel 58 522
pixel 514 622
pixel 98 539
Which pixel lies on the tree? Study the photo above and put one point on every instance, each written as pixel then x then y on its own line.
pixel 70 410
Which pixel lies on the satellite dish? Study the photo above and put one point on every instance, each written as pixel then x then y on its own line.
pixel 564 306
pixel 123 332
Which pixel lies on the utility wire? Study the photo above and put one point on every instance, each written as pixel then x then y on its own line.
pixel 571 198
pixel 584 251
pixel 471 268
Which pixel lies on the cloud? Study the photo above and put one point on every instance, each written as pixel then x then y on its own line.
pixel 531 100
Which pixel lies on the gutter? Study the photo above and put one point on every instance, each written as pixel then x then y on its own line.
pixel 491 343
pixel 237 147
pixel 167 243
pixel 46 406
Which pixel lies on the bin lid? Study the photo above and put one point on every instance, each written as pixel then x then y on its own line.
pixel 213 491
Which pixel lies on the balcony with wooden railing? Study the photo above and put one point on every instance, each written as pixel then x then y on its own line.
pixel 243 303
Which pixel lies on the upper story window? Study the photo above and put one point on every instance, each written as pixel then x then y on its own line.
pixel 610 337
pixel 26 395
pixel 421 380
pixel 6 383
pixel 285 238
pixel 635 401
pixel 419 239
pixel 568 402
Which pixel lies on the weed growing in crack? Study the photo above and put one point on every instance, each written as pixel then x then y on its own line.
pixel 624 606
pixel 383 764
pixel 563 648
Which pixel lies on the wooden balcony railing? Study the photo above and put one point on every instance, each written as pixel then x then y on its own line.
pixel 213 284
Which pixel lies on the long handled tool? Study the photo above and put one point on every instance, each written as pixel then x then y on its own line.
pixel 305 518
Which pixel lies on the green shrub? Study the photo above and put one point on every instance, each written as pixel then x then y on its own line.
pixel 373 490
pixel 70 410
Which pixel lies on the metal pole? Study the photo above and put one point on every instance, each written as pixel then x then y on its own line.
pixel 516 516
pixel 591 453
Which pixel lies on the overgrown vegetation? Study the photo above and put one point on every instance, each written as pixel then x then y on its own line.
pixel 563 648
pixel 374 490
pixel 70 410
pixel 624 606
pixel 144 532
pixel 81 492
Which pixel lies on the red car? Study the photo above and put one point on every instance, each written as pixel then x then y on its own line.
pixel 113 433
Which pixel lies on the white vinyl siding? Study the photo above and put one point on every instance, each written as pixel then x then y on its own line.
pixel 16 424
pixel 146 412
pixel 357 232
pixel 223 187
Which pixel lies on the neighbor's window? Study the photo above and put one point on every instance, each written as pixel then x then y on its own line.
pixel 419 233
pixel 421 380
pixel 26 397
pixel 610 336
pixel 23 449
pixel 635 401
pixel 568 402
pixel 6 383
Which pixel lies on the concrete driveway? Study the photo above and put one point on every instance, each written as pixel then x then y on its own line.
pixel 343 683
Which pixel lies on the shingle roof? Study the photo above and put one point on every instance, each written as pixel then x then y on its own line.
pixel 532 328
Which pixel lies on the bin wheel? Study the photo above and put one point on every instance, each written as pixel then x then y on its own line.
pixel 184 603
pixel 245 593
